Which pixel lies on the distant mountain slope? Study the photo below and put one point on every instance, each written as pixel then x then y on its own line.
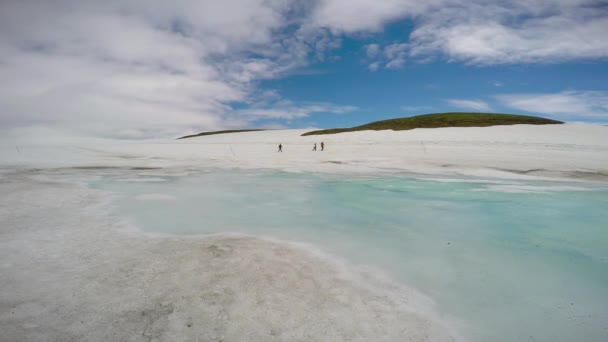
pixel 443 120
pixel 220 132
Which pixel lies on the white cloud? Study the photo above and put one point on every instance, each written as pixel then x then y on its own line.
pixel 395 54
pixel 480 31
pixel 570 105
pixel 278 108
pixel 351 16
pixel 162 68
pixel 396 63
pixel 392 56
pixel 372 50
pixel 516 32
pixel 144 68
pixel 476 105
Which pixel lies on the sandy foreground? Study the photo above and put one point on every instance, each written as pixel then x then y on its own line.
pixel 69 271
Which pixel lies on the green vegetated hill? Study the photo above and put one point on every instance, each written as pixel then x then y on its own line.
pixel 220 132
pixel 443 120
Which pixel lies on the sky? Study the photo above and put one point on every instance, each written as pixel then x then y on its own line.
pixel 161 69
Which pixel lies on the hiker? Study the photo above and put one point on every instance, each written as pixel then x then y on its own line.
pixel 315 147
pixel 322 146
pixel 280 148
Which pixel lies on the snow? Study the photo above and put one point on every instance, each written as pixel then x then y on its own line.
pixel 71 272
pixel 572 151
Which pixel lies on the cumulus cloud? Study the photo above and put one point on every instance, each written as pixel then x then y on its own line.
pixel 568 104
pixel 515 32
pixel 476 105
pixel 289 110
pixel 270 105
pixel 143 68
pixel 352 16
pixel 480 31
pixel 374 66
pixel 395 54
pixel 392 56
pixel 372 50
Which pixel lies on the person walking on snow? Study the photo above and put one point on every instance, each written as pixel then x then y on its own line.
pixel 280 148
pixel 315 147
pixel 322 146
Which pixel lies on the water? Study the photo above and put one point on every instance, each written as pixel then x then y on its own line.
pixel 512 261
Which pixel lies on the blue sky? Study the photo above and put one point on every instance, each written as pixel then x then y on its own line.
pixel 435 83
pixel 437 86
pixel 142 69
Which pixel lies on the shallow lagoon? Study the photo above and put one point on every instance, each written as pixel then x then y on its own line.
pixel 509 260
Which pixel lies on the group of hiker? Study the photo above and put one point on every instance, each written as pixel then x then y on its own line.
pixel 314 147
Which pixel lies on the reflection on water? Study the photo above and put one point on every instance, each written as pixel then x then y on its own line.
pixel 514 261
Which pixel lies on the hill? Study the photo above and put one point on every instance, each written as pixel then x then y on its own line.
pixel 220 132
pixel 443 120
